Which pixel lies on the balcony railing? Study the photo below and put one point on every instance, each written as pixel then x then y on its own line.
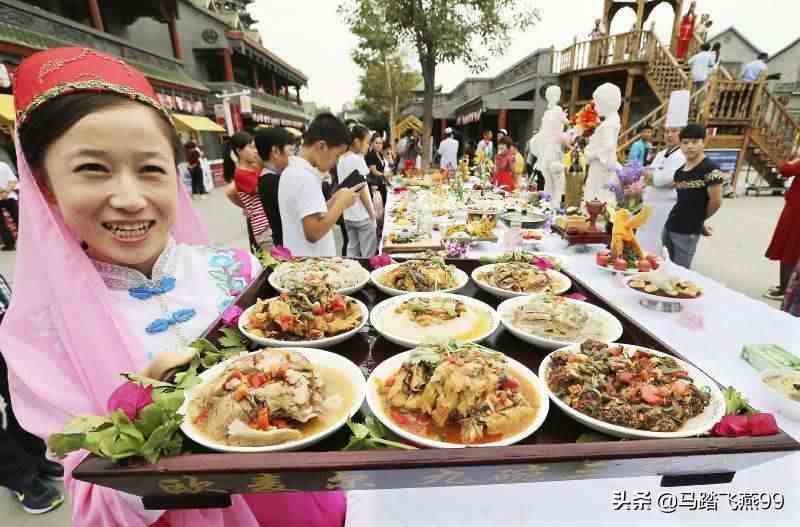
pixel 636 46
pixel 264 100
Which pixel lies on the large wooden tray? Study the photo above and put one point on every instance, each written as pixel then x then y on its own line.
pixel 204 479
pixel 582 238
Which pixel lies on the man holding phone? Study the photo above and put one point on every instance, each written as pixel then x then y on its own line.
pixel 307 220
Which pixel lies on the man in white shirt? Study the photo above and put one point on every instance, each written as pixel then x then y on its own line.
pixel 660 193
pixel 752 71
pixel 8 202
pixel 307 219
pixel 702 64
pixel 448 150
pixel 485 145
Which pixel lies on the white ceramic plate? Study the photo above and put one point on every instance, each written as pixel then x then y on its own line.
pixel 787 407
pixel 612 326
pixel 363 279
pixel 657 298
pixel 388 367
pixel 318 358
pixel 461 277
pixel 386 307
pixel 612 270
pixel 326 342
pixel 563 283
pixel 697 425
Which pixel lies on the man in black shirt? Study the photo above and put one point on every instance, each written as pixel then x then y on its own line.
pixel 275 147
pixel 699 187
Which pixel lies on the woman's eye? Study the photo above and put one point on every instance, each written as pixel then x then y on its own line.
pixel 150 169
pixel 91 167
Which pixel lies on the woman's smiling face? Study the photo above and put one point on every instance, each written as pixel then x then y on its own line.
pixel 113 178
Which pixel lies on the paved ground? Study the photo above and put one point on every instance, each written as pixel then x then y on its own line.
pixel 733 256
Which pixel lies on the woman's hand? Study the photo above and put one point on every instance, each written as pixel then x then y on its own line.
pixel 167 361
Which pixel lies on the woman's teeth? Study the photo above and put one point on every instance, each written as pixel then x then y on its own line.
pixel 129 230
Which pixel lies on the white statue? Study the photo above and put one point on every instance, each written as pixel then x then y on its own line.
pixel 601 152
pixel 547 146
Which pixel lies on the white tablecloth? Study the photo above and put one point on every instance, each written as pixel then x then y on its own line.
pixel 730 321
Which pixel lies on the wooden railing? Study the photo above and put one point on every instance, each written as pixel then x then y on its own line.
pixel 656 119
pixel 625 48
pixel 731 102
pixel 665 73
pixel 775 130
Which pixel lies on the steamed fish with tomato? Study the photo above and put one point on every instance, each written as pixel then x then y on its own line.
pixel 309 313
pixel 267 398
pixel 462 394
pixel 634 389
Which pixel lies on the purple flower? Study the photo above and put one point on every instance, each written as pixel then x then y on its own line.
pixel 131 397
pixel 577 296
pixel 545 196
pixel 230 317
pixel 380 260
pixel 281 253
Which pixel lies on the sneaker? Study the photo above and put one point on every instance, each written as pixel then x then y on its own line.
pixel 39 497
pixel 775 293
pixel 51 470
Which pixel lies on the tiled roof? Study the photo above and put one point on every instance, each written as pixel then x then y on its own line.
pixel 272 56
pixel 30 39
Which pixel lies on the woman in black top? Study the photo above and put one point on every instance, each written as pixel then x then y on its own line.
pixel 377 167
pixel 275 147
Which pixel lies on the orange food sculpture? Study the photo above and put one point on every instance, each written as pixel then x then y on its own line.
pixel 624 232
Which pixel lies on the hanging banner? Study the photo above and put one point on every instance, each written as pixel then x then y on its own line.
pixel 198 108
pixel 245 104
pixel 179 103
pixel 236 116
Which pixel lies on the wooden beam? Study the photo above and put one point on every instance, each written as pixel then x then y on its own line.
pixel 742 155
pixel 640 14
pixel 606 18
pixel 626 108
pixel 174 36
pixel 574 93
pixel 94 13
pixel 228 62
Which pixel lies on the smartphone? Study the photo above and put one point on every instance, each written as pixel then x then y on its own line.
pixel 355 178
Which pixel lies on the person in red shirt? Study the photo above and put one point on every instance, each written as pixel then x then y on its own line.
pixel 504 164
pixel 785 245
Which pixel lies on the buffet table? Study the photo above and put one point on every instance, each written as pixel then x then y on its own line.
pixel 539 477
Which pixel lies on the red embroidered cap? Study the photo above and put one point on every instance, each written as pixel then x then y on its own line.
pixel 58 71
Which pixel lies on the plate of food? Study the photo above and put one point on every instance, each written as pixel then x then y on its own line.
pixel 343 275
pixel 540 259
pixel 531 235
pixel 481 230
pixel 507 280
pixel 631 392
pixel 453 396
pixel 627 264
pixel 555 321
pixel 271 400
pixel 413 276
pixel 528 220
pixel 422 318
pixel 664 289
pixel 311 316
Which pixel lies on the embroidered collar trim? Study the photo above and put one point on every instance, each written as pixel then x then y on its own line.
pixel 119 277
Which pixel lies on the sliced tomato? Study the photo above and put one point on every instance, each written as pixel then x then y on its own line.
pixel 263 418
pixel 680 388
pixel 389 382
pixel 337 304
pixel 625 377
pixel 235 374
pixel 510 383
pixel 318 311
pixel 286 322
pixel 256 380
pixel 650 394
pixel 399 417
pixel 202 418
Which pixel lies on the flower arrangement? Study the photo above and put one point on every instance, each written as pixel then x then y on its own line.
pixel 585 121
pixel 629 186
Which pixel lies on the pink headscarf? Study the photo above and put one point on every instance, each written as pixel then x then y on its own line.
pixel 66 346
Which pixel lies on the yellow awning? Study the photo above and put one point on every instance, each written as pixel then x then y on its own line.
pixel 196 123
pixel 6 109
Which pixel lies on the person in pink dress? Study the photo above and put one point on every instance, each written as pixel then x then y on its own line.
pixel 104 215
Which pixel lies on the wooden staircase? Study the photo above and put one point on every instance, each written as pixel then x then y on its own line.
pixel 773 137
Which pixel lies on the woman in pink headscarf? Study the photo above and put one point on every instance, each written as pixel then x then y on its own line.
pixel 103 214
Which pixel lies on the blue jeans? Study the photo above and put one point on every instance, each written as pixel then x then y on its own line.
pixel 681 247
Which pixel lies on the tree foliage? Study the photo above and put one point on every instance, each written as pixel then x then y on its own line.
pixel 440 31
pixel 375 100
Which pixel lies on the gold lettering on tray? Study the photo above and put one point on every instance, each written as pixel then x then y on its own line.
pixel 447 476
pixel 266 483
pixel 521 474
pixel 349 481
pixel 188 485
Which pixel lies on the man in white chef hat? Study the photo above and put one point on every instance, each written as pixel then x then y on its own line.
pixel 660 193
pixel 448 150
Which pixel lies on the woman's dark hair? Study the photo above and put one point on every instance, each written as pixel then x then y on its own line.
pixel 54 118
pixel 506 140
pixel 716 47
pixel 359 132
pixel 329 128
pixel 237 141
pixel 267 138
pixel 374 138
